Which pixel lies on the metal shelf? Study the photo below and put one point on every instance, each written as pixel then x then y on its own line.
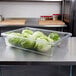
pixel 28 0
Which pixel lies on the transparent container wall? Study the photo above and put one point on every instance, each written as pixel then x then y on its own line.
pixel 48 53
pixel 62 43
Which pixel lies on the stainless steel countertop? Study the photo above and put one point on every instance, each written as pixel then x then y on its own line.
pixel 62 54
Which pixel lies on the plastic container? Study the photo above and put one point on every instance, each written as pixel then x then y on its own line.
pixel 43 18
pixel 50 17
pixel 55 16
pixel 46 17
pixel 63 38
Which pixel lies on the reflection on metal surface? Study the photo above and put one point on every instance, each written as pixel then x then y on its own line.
pixel 29 0
pixel 42 0
pixel 66 18
pixel 67 11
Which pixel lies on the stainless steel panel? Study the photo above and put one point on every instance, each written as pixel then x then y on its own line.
pixel 29 0
pixel 68 14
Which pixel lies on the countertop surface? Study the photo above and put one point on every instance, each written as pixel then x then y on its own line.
pixel 50 23
pixel 13 22
pixel 27 22
pixel 64 54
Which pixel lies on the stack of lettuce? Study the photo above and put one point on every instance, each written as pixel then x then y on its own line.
pixel 33 40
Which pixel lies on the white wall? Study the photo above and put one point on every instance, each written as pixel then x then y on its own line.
pixel 28 9
pixel 1 9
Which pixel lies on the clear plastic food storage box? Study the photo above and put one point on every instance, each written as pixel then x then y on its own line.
pixel 63 37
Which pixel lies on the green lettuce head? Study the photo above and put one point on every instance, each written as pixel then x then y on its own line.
pixel 42 45
pixel 38 34
pixel 55 36
pixel 15 38
pixel 27 32
pixel 27 43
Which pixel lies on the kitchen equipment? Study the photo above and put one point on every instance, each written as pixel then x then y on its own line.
pixel 63 38
pixel 69 15
pixel 1 18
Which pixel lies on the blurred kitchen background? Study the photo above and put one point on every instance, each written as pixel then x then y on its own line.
pixel 57 15
pixel 28 9
pixel 47 14
pixel 17 14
